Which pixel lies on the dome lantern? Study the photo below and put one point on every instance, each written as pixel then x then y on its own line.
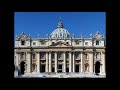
pixel 60 32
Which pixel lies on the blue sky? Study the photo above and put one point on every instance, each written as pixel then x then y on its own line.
pixel 44 23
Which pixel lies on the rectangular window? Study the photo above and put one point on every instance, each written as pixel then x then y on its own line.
pixel 67 55
pixel 42 55
pixel 97 42
pixel 34 43
pixel 77 42
pixel 60 56
pixel 52 56
pixel 22 42
pixel 43 42
pixel 98 56
pixel 22 55
pixel 86 43
pixel 76 55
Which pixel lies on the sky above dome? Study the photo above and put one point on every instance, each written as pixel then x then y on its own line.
pixel 44 23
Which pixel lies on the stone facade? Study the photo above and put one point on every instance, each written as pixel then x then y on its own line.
pixel 60 52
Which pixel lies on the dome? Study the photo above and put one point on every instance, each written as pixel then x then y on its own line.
pixel 60 32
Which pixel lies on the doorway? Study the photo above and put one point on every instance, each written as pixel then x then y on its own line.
pixel 22 67
pixel 53 69
pixel 76 68
pixel 42 69
pixel 59 68
pixel 67 69
pixel 97 67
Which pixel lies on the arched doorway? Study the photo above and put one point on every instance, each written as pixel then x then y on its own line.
pixel 97 67
pixel 22 67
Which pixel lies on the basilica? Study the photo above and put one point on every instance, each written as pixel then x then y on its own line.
pixel 60 52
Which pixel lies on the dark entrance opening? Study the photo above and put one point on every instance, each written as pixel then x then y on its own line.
pixel 53 69
pixel 67 69
pixel 97 67
pixel 76 68
pixel 22 67
pixel 42 69
pixel 59 68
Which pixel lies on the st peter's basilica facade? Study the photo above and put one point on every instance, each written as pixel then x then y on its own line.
pixel 60 52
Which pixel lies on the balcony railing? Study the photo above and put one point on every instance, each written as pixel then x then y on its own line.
pixel 97 59
pixel 53 59
pixel 77 58
pixel 43 59
pixel 60 58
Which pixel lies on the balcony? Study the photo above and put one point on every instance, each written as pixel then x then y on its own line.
pixel 67 59
pixel 77 58
pixel 60 58
pixel 52 59
pixel 23 58
pixel 97 59
pixel 42 59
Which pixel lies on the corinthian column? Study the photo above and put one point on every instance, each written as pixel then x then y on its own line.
pixel 50 62
pixel 103 62
pixel 81 61
pixel 64 63
pixel 28 62
pixel 38 62
pixel 16 60
pixel 46 61
pixel 56 62
pixel 91 62
pixel 70 60
pixel 73 62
